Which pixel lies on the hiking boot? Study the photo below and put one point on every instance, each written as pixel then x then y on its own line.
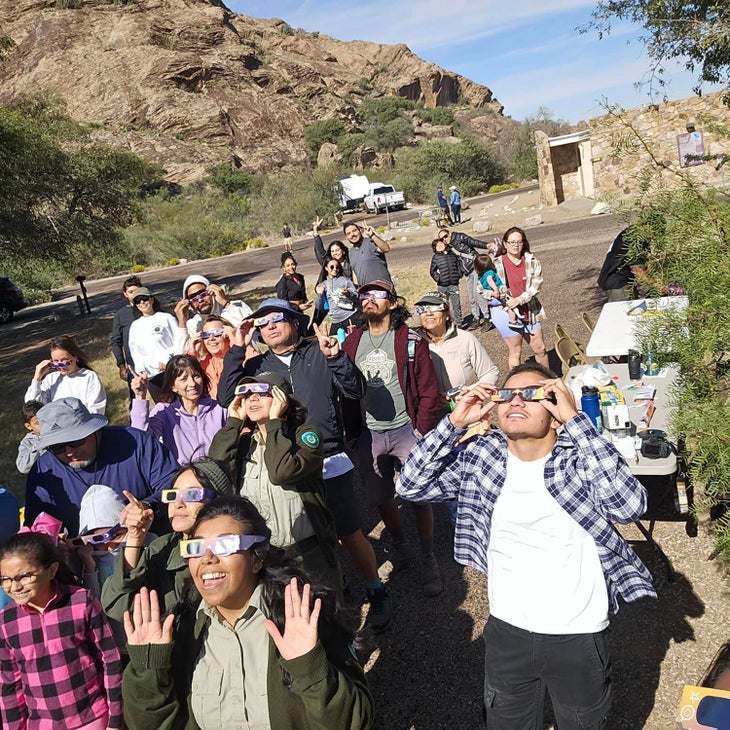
pixel 381 610
pixel 431 575
pixel 402 556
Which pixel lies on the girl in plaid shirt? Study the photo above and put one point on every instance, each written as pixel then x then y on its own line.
pixel 59 665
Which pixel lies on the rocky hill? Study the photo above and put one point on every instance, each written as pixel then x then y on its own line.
pixel 188 83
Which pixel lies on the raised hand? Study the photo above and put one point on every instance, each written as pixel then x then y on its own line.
pixel 328 344
pixel 473 404
pixel 220 296
pixel 243 334
pixel 564 407
pixel 300 625
pixel 182 309
pixel 316 225
pixel 139 385
pixel 42 369
pixel 236 408
pixel 144 626
pixel 137 517
pixel 279 403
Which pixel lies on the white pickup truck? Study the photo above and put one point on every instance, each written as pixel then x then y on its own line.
pixel 381 196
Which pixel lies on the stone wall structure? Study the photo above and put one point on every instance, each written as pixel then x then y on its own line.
pixel 619 144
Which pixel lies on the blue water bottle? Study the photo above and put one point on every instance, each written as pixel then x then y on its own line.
pixel 591 407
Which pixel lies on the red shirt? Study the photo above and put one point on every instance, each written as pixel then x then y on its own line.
pixel 516 280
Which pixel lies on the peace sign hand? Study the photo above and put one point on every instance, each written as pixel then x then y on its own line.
pixel 144 626
pixel 300 626
pixel 328 344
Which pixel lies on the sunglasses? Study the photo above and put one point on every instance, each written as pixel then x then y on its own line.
pixel 204 294
pixel 207 334
pixel 247 389
pixel 143 298
pixel 374 294
pixel 423 308
pixel 61 364
pixel 271 319
pixel 443 238
pixel 61 448
pixel 220 546
pixel 186 494
pixel 99 538
pixel 530 393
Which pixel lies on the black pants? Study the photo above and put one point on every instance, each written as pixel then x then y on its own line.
pixel 521 666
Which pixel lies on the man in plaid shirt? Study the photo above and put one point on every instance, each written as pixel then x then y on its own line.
pixel 535 503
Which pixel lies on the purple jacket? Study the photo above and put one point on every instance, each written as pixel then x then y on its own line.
pixel 188 437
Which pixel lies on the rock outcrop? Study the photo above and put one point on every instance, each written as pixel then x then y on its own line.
pixel 188 83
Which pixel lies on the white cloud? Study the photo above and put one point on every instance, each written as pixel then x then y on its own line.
pixel 421 24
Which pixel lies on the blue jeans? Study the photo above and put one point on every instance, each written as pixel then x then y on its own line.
pixel 456 212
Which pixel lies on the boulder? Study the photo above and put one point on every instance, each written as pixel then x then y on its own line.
pixel 482 226
pixel 328 154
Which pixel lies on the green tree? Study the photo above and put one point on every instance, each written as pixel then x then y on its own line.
pixel 64 199
pixel 321 131
pixel 697 33
pixel 520 151
pixel 229 179
pixel 470 165
pixel 383 109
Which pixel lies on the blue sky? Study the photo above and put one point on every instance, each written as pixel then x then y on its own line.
pixel 526 51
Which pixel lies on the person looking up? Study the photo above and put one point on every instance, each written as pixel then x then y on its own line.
pixel 402 403
pixel 536 500
pixel 200 299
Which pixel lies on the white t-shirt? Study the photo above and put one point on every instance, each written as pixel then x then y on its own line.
pixel 545 575
pixel 83 384
pixel 152 341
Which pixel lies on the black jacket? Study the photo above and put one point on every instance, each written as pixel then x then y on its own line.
pixel 463 246
pixel 319 384
pixel 123 319
pixel 292 291
pixel 445 270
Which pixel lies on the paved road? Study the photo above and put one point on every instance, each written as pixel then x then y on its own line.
pixel 261 267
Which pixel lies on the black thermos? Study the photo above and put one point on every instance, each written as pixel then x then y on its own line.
pixel 634 365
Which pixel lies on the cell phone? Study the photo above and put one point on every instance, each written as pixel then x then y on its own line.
pixel 453 392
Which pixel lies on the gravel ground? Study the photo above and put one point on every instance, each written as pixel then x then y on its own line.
pixel 426 672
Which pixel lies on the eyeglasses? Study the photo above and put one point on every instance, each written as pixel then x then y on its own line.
pixel 203 294
pixel 99 538
pixel 423 308
pixel 61 448
pixel 186 494
pixel 143 298
pixel 444 238
pixel 514 243
pixel 529 393
pixel 270 319
pixel 22 579
pixel 61 364
pixel 219 546
pixel 374 294
pixel 333 267
pixel 207 334
pixel 247 389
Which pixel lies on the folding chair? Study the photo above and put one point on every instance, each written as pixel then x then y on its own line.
pixel 588 321
pixel 569 353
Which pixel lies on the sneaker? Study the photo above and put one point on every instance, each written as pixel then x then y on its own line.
pixel 431 575
pixel 517 326
pixel 381 610
pixel 473 325
pixel 402 556
pixel 488 325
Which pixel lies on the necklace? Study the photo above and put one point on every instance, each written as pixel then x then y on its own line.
pixel 377 348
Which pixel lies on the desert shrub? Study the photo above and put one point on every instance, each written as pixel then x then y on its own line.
pixel 502 188
pixel 136 269
pixel 229 179
pixel 389 136
pixel 321 131
pixel 439 115
pixel 383 109
pixel 173 261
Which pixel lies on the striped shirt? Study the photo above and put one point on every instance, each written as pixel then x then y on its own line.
pixel 584 473
pixel 59 669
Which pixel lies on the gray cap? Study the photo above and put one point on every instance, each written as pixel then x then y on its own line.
pixel 67 419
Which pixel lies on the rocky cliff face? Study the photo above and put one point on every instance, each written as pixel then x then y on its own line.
pixel 188 83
